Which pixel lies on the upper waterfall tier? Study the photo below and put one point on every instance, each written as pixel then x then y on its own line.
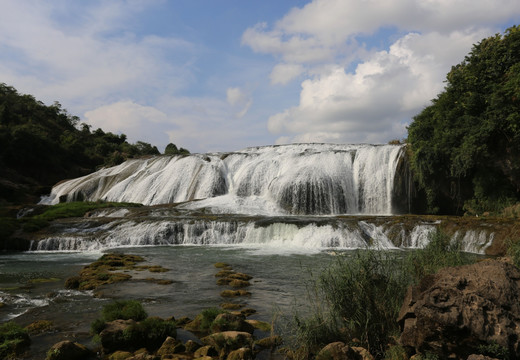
pixel 289 179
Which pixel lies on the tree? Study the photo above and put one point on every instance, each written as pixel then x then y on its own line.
pixel 466 144
pixel 171 149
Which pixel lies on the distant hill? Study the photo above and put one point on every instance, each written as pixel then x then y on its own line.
pixel 41 145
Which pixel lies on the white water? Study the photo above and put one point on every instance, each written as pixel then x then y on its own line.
pixel 275 180
pixel 303 236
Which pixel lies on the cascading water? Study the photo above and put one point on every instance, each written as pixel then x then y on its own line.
pixel 291 179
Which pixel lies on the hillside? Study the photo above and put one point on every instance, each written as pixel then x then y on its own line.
pixel 42 145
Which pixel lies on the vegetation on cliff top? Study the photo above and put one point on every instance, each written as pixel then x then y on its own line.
pixel 465 146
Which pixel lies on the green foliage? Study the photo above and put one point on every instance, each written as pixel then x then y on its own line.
pixel 207 316
pixel 396 352
pixel 8 226
pixel 149 333
pixel 513 250
pixel 171 149
pixel 494 350
pixel 13 340
pixel 466 144
pixel 124 310
pixel 440 252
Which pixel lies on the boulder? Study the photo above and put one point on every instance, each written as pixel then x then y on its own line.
pixel 231 322
pixel 460 309
pixel 112 337
pixel 171 346
pixel 227 341
pixel 341 351
pixel 241 354
pixel 68 350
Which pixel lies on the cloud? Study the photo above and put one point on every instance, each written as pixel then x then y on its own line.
pixel 284 73
pixel 359 92
pixel 238 100
pixel 89 61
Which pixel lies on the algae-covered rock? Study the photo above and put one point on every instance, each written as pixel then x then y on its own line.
pixel 269 342
pixel 39 326
pixel 206 350
pixel 241 354
pixel 260 325
pixel 228 322
pixel 120 355
pixel 238 284
pixel 68 350
pixel 229 340
pixel 171 346
pixel 14 340
pixel 234 293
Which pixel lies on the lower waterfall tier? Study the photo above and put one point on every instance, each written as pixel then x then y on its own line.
pixel 156 226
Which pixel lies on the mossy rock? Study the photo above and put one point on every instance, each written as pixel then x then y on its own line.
pixel 39 326
pixel 240 276
pixel 230 322
pixel 68 350
pixel 224 273
pixel 269 342
pixel 260 325
pixel 14 340
pixel 171 346
pixel 234 293
pixel 228 341
pixel 222 265
pixel 231 306
pixel 238 284
pixel 247 312
pixel 244 353
pixel 120 355
pixel 223 281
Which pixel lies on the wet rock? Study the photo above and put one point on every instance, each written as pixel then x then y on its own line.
pixel 203 351
pixel 341 351
pixel 120 355
pixel 231 322
pixel 112 337
pixel 68 350
pixel 171 346
pixel 460 309
pixel 480 357
pixel 241 354
pixel 227 341
pixel 269 342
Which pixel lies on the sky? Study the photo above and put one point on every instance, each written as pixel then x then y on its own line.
pixel 222 75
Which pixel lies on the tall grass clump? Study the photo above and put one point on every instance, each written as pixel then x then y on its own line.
pixel 442 251
pixel 357 298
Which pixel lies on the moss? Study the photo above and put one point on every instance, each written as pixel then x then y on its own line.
pixel 260 325
pixel 39 327
pixel 240 276
pixel 13 340
pixel 231 306
pixel 237 284
pixel 222 265
pixel 269 342
pixel 160 281
pixel 224 273
pixel 234 293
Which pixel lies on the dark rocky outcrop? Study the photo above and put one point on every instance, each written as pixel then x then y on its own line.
pixel 340 351
pixel 459 311
pixel 68 350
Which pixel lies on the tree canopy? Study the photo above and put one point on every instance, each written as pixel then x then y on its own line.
pixel 465 146
pixel 42 144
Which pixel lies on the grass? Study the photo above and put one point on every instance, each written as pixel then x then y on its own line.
pixel 13 340
pixel 358 297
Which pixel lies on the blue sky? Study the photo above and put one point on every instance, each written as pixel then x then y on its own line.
pixel 213 75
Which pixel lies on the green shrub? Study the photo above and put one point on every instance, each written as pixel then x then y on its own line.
pixel 440 252
pixel 124 310
pixel 13 340
pixel 494 350
pixel 120 309
pixel 149 333
pixel 207 316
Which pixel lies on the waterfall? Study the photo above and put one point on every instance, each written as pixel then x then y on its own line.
pixel 295 234
pixel 296 179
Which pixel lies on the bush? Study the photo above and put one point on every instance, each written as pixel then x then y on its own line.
pixel 120 309
pixel 124 310
pixel 13 340
pixel 149 333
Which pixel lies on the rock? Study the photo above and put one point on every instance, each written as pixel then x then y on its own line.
pixel 203 351
pixel 120 355
pixel 269 342
pixel 231 322
pixel 191 346
pixel 340 351
pixel 112 337
pixel 480 357
pixel 241 354
pixel 460 309
pixel 229 340
pixel 68 350
pixel 260 325
pixel 171 346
